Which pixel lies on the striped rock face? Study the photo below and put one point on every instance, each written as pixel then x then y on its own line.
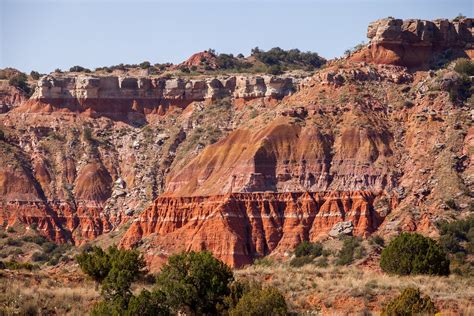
pixel 240 227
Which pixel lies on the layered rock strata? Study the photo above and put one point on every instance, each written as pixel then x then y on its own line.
pixel 122 95
pixel 239 227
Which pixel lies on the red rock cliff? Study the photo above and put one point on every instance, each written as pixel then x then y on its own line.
pixel 239 227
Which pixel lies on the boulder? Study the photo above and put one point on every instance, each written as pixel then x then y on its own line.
pixel 342 228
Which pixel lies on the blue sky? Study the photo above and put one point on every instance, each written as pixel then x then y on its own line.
pixel 44 35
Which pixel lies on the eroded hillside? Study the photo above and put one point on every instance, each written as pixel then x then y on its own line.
pixel 246 165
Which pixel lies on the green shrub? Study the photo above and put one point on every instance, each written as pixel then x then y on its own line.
pixel 464 66
pixel 275 70
pixel 14 242
pixel 11 230
pixel 267 301
pixel 307 248
pixel 13 265
pixel 377 240
pixel 147 304
pixel 301 261
pixel 349 247
pixel 35 75
pixel 79 69
pixel 292 57
pixel 95 263
pixel 39 240
pixel 115 269
pixel 265 262
pixel 49 247
pixel 410 302
pixel 145 65
pixel 104 308
pixel 196 281
pixel 414 254
pixel 20 81
pixel 39 256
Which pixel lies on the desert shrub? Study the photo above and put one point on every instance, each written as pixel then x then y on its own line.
pixel 275 70
pixel 185 69
pixel 3 235
pixel 450 243
pixel 39 240
pixel 260 301
pixel 457 239
pixel 95 263
pixel 360 252
pixel 20 81
pixel 79 69
pixel 292 57
pixel 13 265
pixel 104 308
pixel 462 90
pixel 16 251
pixel 322 262
pixel 301 261
pixel 14 242
pixel 116 270
pixel 11 230
pixel 147 304
pixel 265 262
pixel 194 281
pixel 49 247
pixel 39 256
pixel 460 229
pixel 451 204
pixel 236 290
pixel 228 61
pixel 125 267
pixel 145 65
pixel 464 66
pixel 414 254
pixel 35 75
pixel 350 245
pixel 377 240
pixel 410 302
pixel 307 248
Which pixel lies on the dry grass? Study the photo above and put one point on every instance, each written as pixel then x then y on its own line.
pixel 333 290
pixel 355 290
pixel 41 293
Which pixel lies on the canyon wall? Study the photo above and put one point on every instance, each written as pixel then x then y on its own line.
pixel 247 166
pixel 240 227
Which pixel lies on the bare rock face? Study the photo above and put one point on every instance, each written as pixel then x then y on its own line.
pixel 121 96
pixel 415 43
pixel 239 227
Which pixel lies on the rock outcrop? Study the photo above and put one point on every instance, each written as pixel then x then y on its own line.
pixel 239 227
pixel 118 96
pixel 417 43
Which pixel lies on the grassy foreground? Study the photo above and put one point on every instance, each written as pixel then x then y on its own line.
pixel 308 289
